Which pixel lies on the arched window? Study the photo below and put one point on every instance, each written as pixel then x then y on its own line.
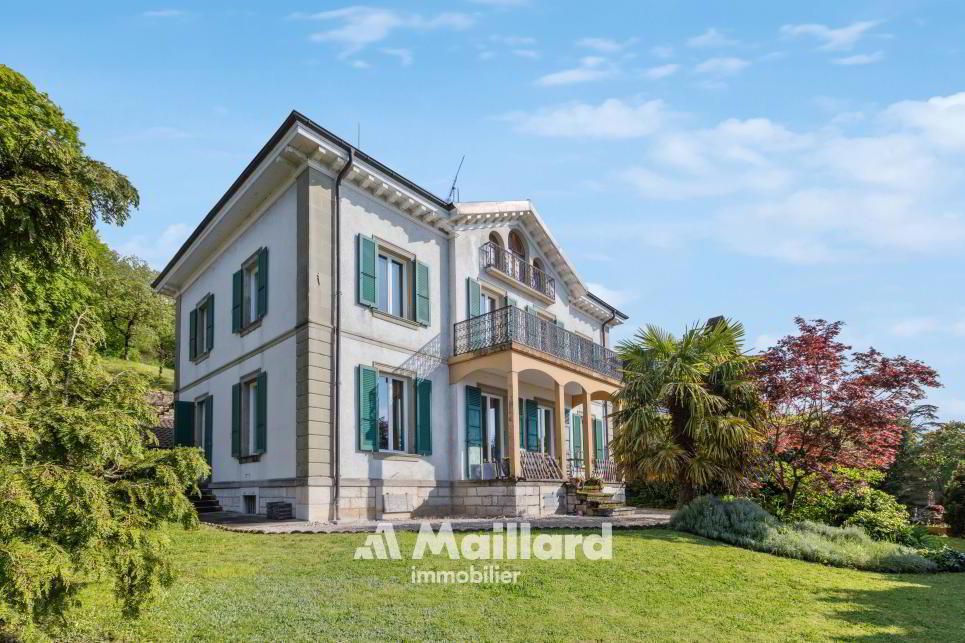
pixel 495 238
pixel 516 244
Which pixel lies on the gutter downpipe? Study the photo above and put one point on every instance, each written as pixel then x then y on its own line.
pixel 337 325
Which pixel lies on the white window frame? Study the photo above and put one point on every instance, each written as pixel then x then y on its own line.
pixel 393 431
pixel 249 415
pixel 406 308
pixel 249 291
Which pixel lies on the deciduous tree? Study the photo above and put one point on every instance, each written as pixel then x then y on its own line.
pixel 830 407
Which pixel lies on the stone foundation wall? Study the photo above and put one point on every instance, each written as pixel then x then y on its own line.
pixel 498 498
pixel 382 500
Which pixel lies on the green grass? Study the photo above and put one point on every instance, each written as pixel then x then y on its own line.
pixel 164 382
pixel 661 585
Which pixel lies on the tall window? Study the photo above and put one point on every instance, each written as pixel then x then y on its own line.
pixel 393 413
pixel 249 414
pixel 487 302
pixel 201 329
pixel 547 441
pixel 393 285
pixel 492 428
pixel 516 244
pixel 250 298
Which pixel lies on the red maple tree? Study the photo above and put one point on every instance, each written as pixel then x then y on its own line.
pixel 831 408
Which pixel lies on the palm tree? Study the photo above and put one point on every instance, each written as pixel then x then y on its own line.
pixel 689 410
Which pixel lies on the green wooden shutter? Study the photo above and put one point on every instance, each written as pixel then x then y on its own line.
pixel 262 303
pixel 209 325
pixel 368 411
pixel 598 440
pixel 193 334
pixel 576 422
pixel 236 420
pixel 367 257
pixel 261 414
pixel 532 426
pixel 510 301
pixel 208 429
pixel 422 309
pixel 472 295
pixel 184 424
pixel 237 298
pixel 473 416
pixel 423 402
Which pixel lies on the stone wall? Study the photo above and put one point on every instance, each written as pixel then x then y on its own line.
pixel 379 500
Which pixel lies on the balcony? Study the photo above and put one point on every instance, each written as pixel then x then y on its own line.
pixel 508 265
pixel 505 326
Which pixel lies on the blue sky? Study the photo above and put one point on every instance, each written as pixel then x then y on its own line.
pixel 753 159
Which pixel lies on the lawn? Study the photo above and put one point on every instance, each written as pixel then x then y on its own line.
pixel 164 382
pixel 660 585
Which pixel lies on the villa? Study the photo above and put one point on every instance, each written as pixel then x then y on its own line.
pixel 351 344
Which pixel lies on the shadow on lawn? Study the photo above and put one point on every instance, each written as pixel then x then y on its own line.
pixel 923 608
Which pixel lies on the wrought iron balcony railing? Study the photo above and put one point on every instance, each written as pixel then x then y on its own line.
pixel 511 264
pixel 511 324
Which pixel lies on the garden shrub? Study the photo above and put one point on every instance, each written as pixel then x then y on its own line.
pixel 947 559
pixel 955 502
pixel 744 523
pixel 656 494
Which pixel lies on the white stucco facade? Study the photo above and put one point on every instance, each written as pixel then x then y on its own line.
pixel 315 452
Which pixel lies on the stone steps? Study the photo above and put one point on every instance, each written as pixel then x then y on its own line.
pixel 207 502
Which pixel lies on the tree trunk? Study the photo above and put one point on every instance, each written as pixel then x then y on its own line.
pixel 686 491
pixel 678 430
pixel 127 339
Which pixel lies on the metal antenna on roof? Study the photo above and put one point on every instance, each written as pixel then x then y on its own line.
pixel 453 191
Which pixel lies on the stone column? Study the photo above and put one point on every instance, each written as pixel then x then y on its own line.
pixel 512 423
pixel 559 425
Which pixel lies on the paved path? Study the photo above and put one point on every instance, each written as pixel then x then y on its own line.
pixel 232 521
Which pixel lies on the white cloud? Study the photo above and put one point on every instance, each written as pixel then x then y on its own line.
pixel 662 51
pixel 591 68
pixel 404 55
pixel 840 39
pixel 891 188
pixel 822 195
pixel 661 71
pixel 611 119
pixel 616 298
pixel 156 250
pixel 360 27
pixel 940 120
pixel 721 66
pixel 164 13
pixel 532 54
pixel 605 45
pixel 711 38
pixel 513 41
pixel 914 326
pixel 764 342
pixel 860 59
